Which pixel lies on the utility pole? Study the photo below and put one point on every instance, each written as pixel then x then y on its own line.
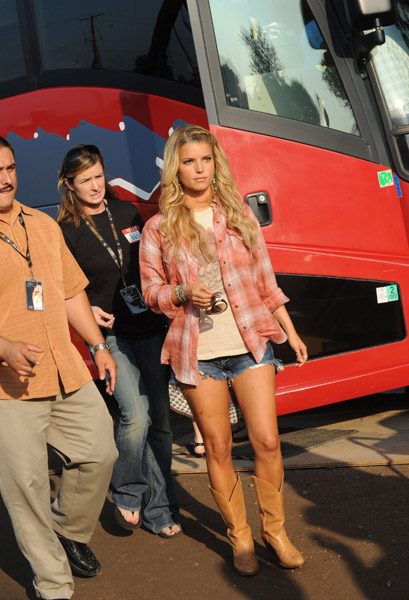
pixel 97 63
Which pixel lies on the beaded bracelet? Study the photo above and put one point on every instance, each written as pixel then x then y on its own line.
pixel 179 293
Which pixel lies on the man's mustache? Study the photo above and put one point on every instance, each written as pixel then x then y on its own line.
pixel 7 188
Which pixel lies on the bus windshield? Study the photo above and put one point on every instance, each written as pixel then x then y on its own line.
pixel 274 60
pixel 391 62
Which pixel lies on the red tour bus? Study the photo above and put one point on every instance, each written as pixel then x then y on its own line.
pixel 309 98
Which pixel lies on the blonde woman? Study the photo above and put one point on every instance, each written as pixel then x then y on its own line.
pixel 204 264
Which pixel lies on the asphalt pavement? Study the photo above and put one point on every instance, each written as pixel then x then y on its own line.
pixel 346 497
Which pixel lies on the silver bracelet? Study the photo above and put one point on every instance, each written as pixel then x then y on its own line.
pixel 102 346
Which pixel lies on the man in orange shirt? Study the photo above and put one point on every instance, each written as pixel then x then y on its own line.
pixel 47 396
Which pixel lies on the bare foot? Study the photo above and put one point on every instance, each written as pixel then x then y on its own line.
pixel 128 515
pixel 168 532
pixel 198 449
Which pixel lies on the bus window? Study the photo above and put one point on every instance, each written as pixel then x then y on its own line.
pixel 274 60
pixel 124 35
pixel 391 63
pixel 12 63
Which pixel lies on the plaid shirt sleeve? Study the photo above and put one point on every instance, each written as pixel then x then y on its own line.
pixel 156 290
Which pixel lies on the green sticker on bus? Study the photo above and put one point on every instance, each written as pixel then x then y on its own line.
pixel 392 291
pixel 387 293
pixel 385 178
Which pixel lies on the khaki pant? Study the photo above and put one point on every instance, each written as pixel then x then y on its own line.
pixel 79 426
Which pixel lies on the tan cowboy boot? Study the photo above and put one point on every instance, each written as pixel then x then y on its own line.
pixel 233 512
pixel 271 506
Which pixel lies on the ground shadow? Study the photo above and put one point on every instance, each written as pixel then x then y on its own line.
pixel 12 562
pixel 205 525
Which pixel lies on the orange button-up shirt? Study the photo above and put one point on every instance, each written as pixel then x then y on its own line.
pixel 62 278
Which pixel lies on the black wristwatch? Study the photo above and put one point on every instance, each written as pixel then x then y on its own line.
pixel 102 346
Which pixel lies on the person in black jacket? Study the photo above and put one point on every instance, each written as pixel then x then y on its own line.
pixel 103 234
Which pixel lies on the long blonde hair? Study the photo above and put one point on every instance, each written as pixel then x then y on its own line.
pixel 178 221
pixel 77 160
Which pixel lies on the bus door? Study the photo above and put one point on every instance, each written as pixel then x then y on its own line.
pixel 307 146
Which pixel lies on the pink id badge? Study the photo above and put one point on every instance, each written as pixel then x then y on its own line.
pixel 34 294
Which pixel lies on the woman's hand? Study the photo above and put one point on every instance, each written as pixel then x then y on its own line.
pixel 198 294
pixel 102 318
pixel 294 339
pixel 299 348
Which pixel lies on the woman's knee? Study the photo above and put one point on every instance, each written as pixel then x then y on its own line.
pixel 218 449
pixel 267 443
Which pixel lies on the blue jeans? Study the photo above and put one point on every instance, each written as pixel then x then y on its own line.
pixel 141 477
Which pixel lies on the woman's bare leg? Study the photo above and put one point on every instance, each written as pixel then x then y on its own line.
pixel 209 403
pixel 255 393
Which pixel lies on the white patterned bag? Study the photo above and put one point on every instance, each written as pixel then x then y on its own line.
pixel 179 404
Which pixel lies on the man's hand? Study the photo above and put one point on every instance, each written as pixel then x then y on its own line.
pixel 107 369
pixel 21 357
pixel 82 319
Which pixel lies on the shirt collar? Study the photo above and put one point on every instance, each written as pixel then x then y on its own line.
pixel 19 208
pixel 26 210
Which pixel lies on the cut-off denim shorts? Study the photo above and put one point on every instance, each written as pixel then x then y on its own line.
pixel 228 367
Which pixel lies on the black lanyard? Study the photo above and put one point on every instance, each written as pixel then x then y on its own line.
pixel 27 256
pixel 118 261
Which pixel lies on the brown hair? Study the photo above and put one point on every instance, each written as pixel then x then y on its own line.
pixel 79 158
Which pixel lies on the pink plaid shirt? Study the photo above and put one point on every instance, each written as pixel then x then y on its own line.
pixel 248 278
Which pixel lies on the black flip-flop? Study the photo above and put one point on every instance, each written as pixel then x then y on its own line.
pixel 166 536
pixel 191 448
pixel 122 522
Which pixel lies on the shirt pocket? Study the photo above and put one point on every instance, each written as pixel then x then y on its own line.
pixel 236 242
pixel 170 266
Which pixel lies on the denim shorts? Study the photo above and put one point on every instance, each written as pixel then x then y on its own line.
pixel 228 367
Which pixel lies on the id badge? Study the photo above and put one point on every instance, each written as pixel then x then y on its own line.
pixel 132 234
pixel 133 299
pixel 34 294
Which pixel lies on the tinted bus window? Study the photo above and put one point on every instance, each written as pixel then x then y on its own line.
pixel 274 60
pixel 12 63
pixel 391 61
pixel 151 38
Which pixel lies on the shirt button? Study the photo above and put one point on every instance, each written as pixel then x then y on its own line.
pixel 220 241
pixel 244 327
pixel 224 262
pixel 236 306
pixel 229 284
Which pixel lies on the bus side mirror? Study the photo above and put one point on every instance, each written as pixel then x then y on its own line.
pixel 369 14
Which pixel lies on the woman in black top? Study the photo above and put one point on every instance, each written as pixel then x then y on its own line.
pixel 103 234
